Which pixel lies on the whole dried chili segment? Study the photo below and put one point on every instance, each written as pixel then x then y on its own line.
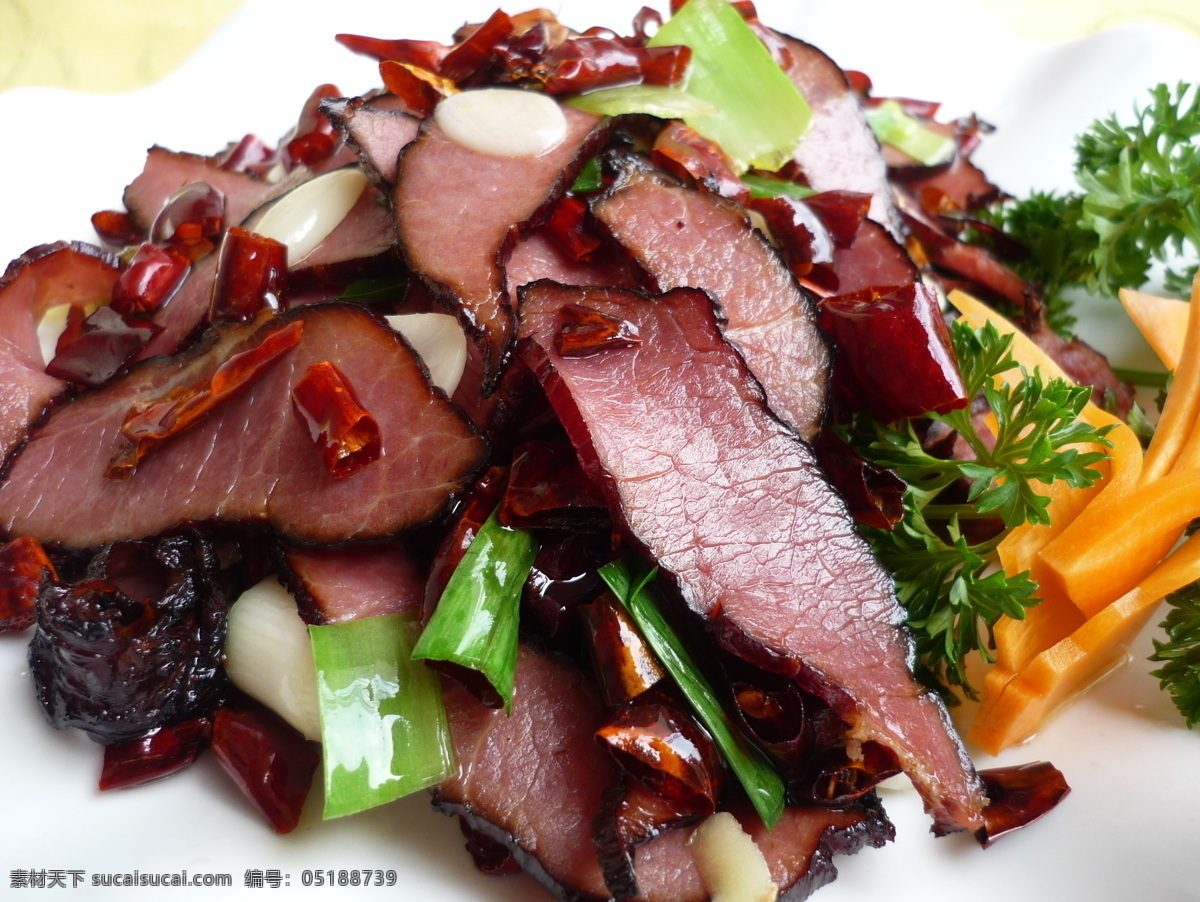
pixel 152 276
pixel 625 666
pixel 23 567
pixel 269 761
pixel 897 351
pixel 327 407
pixel 314 139
pixel 251 276
pixel 150 423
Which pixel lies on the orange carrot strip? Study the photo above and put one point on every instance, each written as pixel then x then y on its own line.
pixel 1176 429
pixel 1109 549
pixel 1013 713
pixel 1162 322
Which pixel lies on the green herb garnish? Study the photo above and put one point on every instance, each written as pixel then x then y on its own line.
pixel 950 585
pixel 1180 654
pixel 1139 202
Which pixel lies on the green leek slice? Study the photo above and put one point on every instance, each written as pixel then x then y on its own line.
pixel 760 780
pixel 762 186
pixel 893 125
pixel 476 620
pixel 383 724
pixel 736 94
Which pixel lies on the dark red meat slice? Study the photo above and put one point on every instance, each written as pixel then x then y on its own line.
pixel 375 131
pixel 733 508
pixel 533 781
pixel 250 460
pixel 166 171
pixel 457 212
pixel 333 585
pixel 689 238
pixel 839 152
pixel 44 277
pixel 874 260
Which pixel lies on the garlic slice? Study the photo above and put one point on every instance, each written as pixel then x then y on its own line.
pixel 502 122
pixel 49 329
pixel 305 216
pixel 730 862
pixel 439 341
pixel 268 655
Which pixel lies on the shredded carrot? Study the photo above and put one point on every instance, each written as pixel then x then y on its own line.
pixel 1017 704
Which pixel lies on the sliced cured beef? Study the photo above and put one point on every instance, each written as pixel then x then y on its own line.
pixel 688 238
pixel 334 585
pixel 375 131
pixel 166 171
pixel 533 781
pixel 250 460
pixel 839 151
pixel 733 509
pixel 458 210
pixel 44 277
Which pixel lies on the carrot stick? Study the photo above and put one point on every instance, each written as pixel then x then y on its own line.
pixel 1017 704
pixel 1109 549
pixel 1175 443
pixel 1162 322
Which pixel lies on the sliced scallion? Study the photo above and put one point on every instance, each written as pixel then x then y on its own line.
pixel 762 186
pixel 383 724
pixel 655 100
pixel 476 619
pixel 893 125
pixel 762 115
pixel 760 780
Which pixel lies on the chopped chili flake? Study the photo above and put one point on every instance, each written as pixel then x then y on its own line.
pixel 327 407
pixel 585 332
pixel 419 88
pixel 251 276
pixel 314 140
pixel 23 567
pixel 567 225
pixel 246 155
pixel 151 277
pixel 150 423
pixel 117 228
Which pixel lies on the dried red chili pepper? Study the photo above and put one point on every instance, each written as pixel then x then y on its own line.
pixel 93 350
pixel 327 407
pixel 151 277
pixel 160 753
pixel 190 221
pixel 422 54
pixel 584 332
pixel 314 140
pixel 470 55
pixel 117 228
pixel 687 154
pixel 23 567
pixel 150 423
pixel 625 666
pixel 413 85
pixel 251 276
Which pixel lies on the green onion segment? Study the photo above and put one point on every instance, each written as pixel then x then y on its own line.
pixel 763 186
pixel 760 780
pixel 892 125
pixel 736 94
pixel 383 724
pixel 475 622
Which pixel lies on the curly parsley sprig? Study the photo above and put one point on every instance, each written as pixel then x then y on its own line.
pixel 951 586
pixel 1180 653
pixel 1139 202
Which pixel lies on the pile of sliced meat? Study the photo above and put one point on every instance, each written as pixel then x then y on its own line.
pixel 650 336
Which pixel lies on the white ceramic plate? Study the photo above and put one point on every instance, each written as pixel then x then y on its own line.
pixel 1128 830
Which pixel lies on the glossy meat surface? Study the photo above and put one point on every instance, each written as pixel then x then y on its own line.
pixel 733 508
pixel 249 460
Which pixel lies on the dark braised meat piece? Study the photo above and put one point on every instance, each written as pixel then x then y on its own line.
pixel 135 643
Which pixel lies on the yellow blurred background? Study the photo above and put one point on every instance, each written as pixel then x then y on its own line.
pixel 53 42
